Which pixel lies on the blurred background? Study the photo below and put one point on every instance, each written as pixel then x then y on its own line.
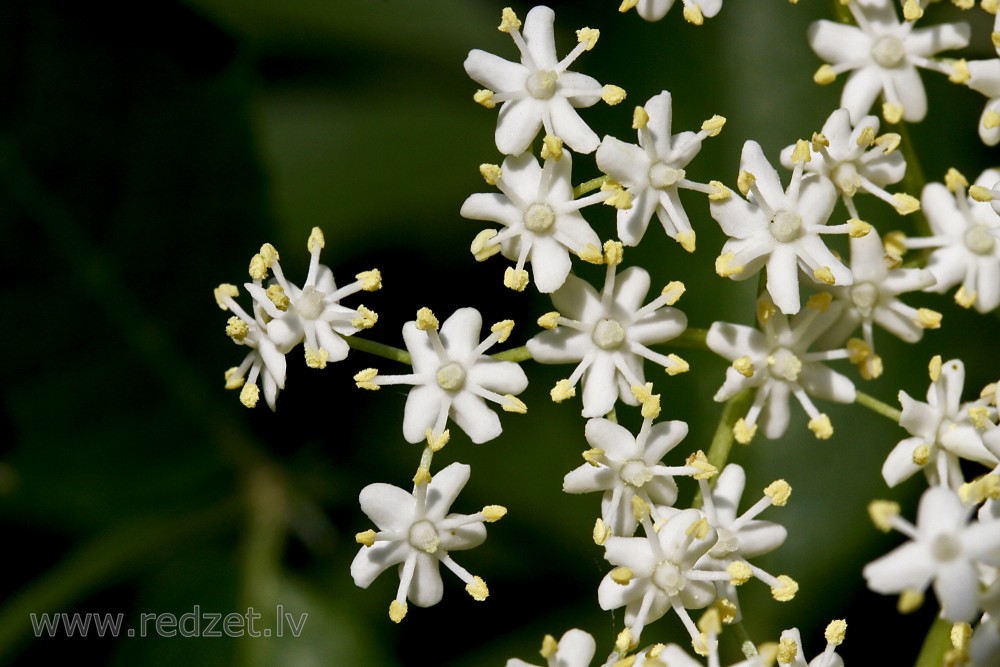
pixel 146 152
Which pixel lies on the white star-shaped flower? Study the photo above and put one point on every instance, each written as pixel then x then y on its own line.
pixel 453 377
pixel 608 335
pixel 883 55
pixel 542 219
pixel 653 171
pixel 775 360
pixel 575 648
pixel 965 241
pixel 780 228
pixel 417 532
pixel 942 431
pixel 695 11
pixel 944 552
pixel 539 91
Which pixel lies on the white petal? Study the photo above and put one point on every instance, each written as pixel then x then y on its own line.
pixel 502 377
pixel 732 341
pixel 827 384
pixel 388 506
pixel 783 279
pixel 577 300
pixel 494 72
pixel 374 560
pixel 568 126
pixel 838 43
pixel 776 413
pixel 422 406
pixel 600 386
pixel 460 332
pixel 616 440
pixel 539 35
pixel 631 287
pixel 626 163
pixel 862 88
pixel 517 124
pixel 426 588
pixel 899 465
pixel 550 264
pixel 473 416
pixel 444 488
pixel 907 567
pixel 576 649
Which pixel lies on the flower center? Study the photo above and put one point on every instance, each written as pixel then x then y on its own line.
pixel 846 178
pixel 423 536
pixel 888 51
pixel 539 218
pixel 784 365
pixel 663 175
pixel 786 226
pixel 451 376
pixel 635 473
pixel 979 240
pixel 542 85
pixel 609 334
pixel 945 548
pixel 310 303
pixel 668 578
pixel 865 298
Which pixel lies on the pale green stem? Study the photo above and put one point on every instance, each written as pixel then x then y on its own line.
pixel 692 339
pixel 380 350
pixel 936 644
pixel 516 354
pixel 612 416
pixel 878 406
pixel 722 442
pixel 589 186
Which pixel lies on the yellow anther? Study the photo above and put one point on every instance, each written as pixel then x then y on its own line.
pixel 549 320
pixel 727 610
pixel 744 366
pixel 612 94
pixel 491 173
pixel 960 635
pixel 895 243
pixel 928 319
pixel 549 646
pixel 627 5
pixel 503 329
pixel 801 154
pixel 699 529
pixel 588 35
pixel 650 401
pixel 629 661
pixel 237 329
pixel 270 254
pixel 888 142
pixel 674 290
pixel 700 461
pixel 562 391
pixel 484 97
pixel 316 239
pixel 745 181
pixel 234 379
pixel 824 275
pixel 724 265
pixel 739 573
pixel 591 254
pixel 910 600
pixel 980 490
pixel 819 301
pixel 858 228
pixel 990 392
pixel 426 320
pixel 437 442
pixel 687 239
pixel 640 508
pixel 994 37
pixel 955 180
pixel 397 611
pixel 366 318
pixel 365 379
pixel 224 290
pixel 765 310
pixel 366 538
pixel 743 433
pixel 679 366
pixel 821 427
pixel 965 298
pixel 422 476
pixel 787 650
pixel 871 367
pixel 508 21
pixel 786 588
pixel 710 623
pixel 614 251
pixel 882 512
pixel 513 404
pixel 905 204
pixel 601 532
pixel 893 113
pixel 867 136
pixel 825 75
pixel 714 125
pixel 494 513
pixel 921 455
pixel 621 575
pixel 278 297
pixel 593 456
pixel 552 148
pixel 639 118
pixel 990 6
pixel 620 198
pixel 623 642
pixel 964 4
pixel 835 632
pixel 934 367
pixel 857 350
pixel 258 267
pixel 249 395
pixel 371 281
pixel 980 193
pixel 692 14
pixel 991 119
pixel 482 247
pixel 779 491
pixel 912 10
pixel 719 191
pixel 959 71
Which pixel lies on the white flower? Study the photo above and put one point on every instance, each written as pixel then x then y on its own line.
pixel 453 377
pixel 854 159
pixel 779 228
pixel 984 77
pixel 623 466
pixel 790 648
pixel 965 241
pixel 883 56
pixel 416 532
pixel 542 220
pixel 654 10
pixel 776 362
pixel 653 172
pixel 607 335
pixel 574 649
pixel 662 572
pixel 944 551
pixel 540 90
pixel 942 431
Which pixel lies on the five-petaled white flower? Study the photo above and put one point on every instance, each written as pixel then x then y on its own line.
pixel 695 11
pixel 779 227
pixel 653 171
pixel 883 55
pixel 453 377
pixel 775 360
pixel 539 91
pixel 542 220
pixel 966 247
pixel 607 335
pixel 417 532
pixel 790 648
pixel 944 551
pixel 575 648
